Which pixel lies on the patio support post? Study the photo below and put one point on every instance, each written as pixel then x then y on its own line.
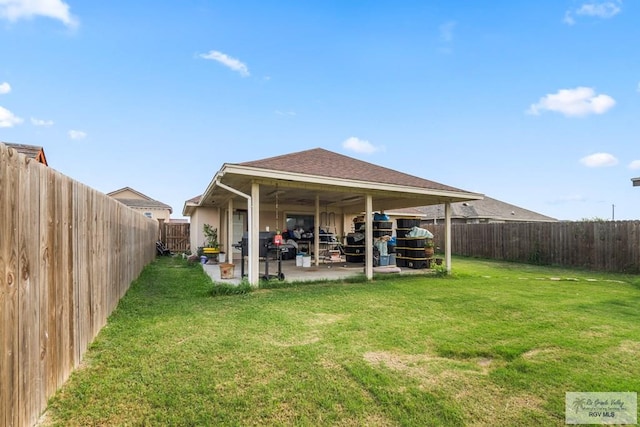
pixel 316 233
pixel 368 250
pixel 254 235
pixel 229 248
pixel 447 236
pixel 250 205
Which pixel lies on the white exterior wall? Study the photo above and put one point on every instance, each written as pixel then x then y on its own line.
pixel 155 213
pixel 200 217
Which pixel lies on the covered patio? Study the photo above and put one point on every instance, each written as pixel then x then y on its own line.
pixel 317 182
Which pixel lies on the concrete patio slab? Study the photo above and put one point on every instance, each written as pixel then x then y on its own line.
pixel 293 273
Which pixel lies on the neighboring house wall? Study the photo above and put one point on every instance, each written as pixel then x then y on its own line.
pixel 154 213
pixel 127 193
pixel 139 202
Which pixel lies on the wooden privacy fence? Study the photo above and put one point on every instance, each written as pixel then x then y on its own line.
pixel 597 245
pixel 67 255
pixel 175 236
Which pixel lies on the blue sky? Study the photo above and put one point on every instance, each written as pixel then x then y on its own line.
pixel 535 103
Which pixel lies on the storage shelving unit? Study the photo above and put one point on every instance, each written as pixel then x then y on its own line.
pixel 354 251
pixel 410 250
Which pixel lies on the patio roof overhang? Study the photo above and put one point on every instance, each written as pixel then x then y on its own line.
pixel 302 189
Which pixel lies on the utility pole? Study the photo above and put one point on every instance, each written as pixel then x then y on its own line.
pixel 613 212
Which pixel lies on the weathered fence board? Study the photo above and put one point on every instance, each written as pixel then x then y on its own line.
pixel 8 287
pixel 598 245
pixel 176 236
pixel 67 255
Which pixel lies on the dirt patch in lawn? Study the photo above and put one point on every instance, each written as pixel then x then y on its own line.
pixel 629 346
pixel 467 381
pixel 319 319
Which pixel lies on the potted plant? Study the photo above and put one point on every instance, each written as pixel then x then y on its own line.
pixel 429 248
pixel 211 235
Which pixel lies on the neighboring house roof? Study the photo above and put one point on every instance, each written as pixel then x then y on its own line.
pixel 487 209
pixel 337 180
pixel 139 201
pixel 636 182
pixel 31 151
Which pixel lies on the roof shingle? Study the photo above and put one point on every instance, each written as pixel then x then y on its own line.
pixel 321 162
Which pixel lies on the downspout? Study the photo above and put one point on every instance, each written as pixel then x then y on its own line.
pixel 316 233
pixel 230 231
pixel 250 271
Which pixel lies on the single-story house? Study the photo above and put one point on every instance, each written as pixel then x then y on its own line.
pixel 136 200
pixel 636 182
pixel 31 151
pixel 312 190
pixel 486 210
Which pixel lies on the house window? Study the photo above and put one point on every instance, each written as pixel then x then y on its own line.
pixel 148 215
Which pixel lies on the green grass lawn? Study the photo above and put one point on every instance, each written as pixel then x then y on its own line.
pixel 494 344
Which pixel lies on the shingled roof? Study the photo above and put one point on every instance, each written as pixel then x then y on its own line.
pixel 31 151
pixel 487 209
pixel 321 162
pixel 331 179
pixel 142 201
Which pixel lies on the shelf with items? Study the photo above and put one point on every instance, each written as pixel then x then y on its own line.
pixel 407 222
pixel 354 253
pixel 411 256
pixel 379 228
pixel 416 263
pixel 356 241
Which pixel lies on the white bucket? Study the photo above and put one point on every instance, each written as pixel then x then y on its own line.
pixel 299 260
pixel 306 261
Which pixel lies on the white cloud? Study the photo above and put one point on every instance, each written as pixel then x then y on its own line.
pixel 77 134
pixel 8 119
pixel 446 37
pixel 446 31
pixel 227 61
pixel 14 10
pixel 39 122
pixel 598 160
pixel 359 145
pixel 4 86
pixel 285 113
pixel 604 10
pixel 568 18
pixel 634 165
pixel 580 101
pixel 607 9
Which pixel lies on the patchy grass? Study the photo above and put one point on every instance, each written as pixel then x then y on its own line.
pixel 494 344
